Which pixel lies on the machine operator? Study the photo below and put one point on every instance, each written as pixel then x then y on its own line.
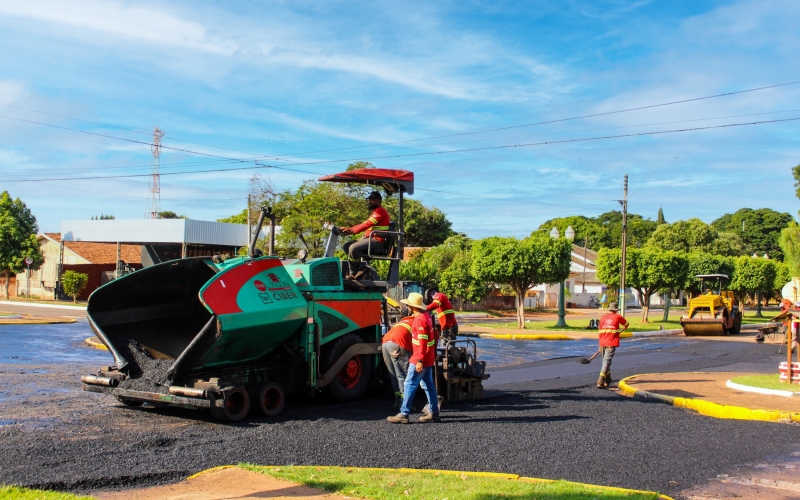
pixel 378 221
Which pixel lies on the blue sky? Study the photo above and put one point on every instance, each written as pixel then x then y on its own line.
pixel 293 81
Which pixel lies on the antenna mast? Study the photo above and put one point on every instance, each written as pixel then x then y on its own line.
pixel 154 186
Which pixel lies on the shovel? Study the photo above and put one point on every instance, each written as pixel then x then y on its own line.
pixel 585 361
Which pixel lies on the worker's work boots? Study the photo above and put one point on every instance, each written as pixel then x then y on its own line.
pixel 430 417
pixel 398 419
pixel 601 382
pixel 607 380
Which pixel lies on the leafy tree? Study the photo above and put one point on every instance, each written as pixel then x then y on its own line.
pixel 782 277
pixel 458 281
pixel 706 263
pixel 660 220
pixel 73 283
pixel 521 264
pixel 424 227
pixel 18 230
pixel 639 229
pixel 759 230
pixel 694 235
pixel 796 175
pixel 240 218
pixel 790 244
pixel 420 267
pixel 168 214
pixel 649 270
pixel 103 217
pixel 753 276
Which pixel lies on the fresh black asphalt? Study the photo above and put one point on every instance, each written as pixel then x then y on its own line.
pixel 585 434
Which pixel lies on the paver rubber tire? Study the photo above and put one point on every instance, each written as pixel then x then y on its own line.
pixel 268 400
pixel 129 402
pixel 353 379
pixel 236 404
pixel 737 322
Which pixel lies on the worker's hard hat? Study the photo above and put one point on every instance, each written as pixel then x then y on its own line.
pixel 374 196
pixel 414 300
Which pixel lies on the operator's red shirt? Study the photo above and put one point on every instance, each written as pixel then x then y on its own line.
pixel 378 221
pixel 423 339
pixel 400 334
pixel 609 326
pixel 444 310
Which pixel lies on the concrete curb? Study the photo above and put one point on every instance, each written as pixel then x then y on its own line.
pixel 760 390
pixel 708 408
pixel 498 475
pixel 32 304
pixel 95 343
pixel 526 336
pixel 37 321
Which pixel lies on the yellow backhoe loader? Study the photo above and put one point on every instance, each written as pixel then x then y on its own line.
pixel 715 312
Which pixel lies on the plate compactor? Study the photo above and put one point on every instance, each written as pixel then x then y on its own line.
pixel 239 335
pixel 714 313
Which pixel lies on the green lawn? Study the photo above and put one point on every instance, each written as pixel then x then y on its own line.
pixel 390 484
pixel 770 381
pixel 15 493
pixel 633 317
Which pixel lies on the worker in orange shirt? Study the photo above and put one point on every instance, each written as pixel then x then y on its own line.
pixel 440 304
pixel 423 339
pixel 397 349
pixel 378 220
pixel 609 326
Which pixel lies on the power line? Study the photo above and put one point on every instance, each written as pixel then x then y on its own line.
pixel 487 148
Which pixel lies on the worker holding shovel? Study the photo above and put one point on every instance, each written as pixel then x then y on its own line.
pixel 609 326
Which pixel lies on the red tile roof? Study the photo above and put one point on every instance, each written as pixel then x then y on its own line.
pixel 101 253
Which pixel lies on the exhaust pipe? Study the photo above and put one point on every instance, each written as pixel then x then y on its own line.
pixel 265 212
pixel 188 392
pixel 95 380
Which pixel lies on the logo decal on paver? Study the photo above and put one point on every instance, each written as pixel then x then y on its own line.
pixel 260 285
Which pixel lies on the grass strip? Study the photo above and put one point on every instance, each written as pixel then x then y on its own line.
pixel 770 381
pixel 380 484
pixel 17 493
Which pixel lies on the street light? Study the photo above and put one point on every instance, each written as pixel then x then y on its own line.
pixel 570 235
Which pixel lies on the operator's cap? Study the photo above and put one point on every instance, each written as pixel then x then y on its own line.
pixel 613 307
pixel 414 300
pixel 374 196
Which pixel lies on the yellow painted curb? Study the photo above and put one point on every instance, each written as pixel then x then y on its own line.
pixel 524 336
pixel 710 409
pixel 497 475
pixel 94 344
pixel 213 469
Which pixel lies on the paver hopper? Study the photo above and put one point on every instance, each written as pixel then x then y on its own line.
pixel 712 313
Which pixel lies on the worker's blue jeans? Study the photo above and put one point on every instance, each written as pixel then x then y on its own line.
pixel 608 355
pixel 413 380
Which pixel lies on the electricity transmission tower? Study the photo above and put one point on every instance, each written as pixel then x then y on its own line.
pixel 154 186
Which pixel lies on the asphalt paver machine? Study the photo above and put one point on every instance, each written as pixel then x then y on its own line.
pixel 238 335
pixel 713 313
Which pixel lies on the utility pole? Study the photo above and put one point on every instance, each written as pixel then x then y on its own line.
pixel 249 227
pixel 583 286
pixel 624 203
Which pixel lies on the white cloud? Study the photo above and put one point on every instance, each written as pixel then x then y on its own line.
pixel 11 91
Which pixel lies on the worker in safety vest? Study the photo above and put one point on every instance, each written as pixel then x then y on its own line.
pixel 378 221
pixel 609 327
pixel 423 340
pixel 441 306
pixel 397 349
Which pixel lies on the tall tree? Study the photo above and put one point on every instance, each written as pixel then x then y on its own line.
pixel 649 270
pixel 753 276
pixel 586 230
pixel 790 244
pixel 424 227
pixel 639 229
pixel 460 283
pixel 18 230
pixel 660 220
pixel 759 230
pixel 694 235
pixel 521 264
pixel 706 263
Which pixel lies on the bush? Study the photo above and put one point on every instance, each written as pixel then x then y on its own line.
pixel 73 283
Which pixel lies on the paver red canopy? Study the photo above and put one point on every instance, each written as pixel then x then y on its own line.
pixel 387 177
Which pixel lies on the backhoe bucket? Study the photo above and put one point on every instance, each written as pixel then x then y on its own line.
pixel 186 316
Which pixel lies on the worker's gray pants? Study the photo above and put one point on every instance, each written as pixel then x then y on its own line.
pixel 358 248
pixel 396 359
pixel 608 354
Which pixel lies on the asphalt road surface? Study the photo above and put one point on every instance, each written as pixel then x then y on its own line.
pixel 539 419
